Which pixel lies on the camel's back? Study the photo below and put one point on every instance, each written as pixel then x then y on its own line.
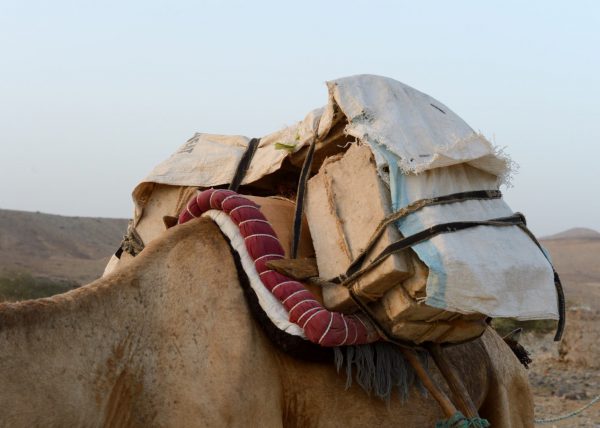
pixel 169 341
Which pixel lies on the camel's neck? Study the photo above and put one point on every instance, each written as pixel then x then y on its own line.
pixel 68 352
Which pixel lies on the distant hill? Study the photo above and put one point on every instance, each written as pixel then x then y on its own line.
pixel 71 249
pixel 575 233
pixel 576 256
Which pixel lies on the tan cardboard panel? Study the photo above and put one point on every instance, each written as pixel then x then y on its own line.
pixel 341 227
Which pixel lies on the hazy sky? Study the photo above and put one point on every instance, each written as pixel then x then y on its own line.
pixel 94 94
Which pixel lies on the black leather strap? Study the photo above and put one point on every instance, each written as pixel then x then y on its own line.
pixel 244 164
pixel 516 219
pixel 422 236
pixel 560 294
pixel 300 197
pixel 416 206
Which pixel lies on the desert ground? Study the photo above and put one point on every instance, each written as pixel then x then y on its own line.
pixel 566 375
pixel 42 254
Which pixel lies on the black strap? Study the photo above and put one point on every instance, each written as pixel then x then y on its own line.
pixel 562 316
pixel 353 272
pixel 557 284
pixel 300 197
pixel 516 219
pixel 244 164
pixel 415 206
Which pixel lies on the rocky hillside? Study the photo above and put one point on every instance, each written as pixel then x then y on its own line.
pixel 69 249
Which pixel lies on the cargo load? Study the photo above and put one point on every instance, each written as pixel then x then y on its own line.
pixel 403 205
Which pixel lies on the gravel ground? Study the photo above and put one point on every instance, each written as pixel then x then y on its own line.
pixel 566 376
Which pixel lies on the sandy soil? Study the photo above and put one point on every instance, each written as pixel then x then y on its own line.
pixel 53 246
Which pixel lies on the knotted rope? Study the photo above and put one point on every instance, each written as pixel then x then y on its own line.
pixel 458 420
pixel 132 242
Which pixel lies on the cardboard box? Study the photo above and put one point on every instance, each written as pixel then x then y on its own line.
pixel 345 203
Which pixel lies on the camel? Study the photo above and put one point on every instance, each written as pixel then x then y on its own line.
pixel 169 342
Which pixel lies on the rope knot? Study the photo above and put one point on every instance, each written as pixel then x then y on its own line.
pixel 458 420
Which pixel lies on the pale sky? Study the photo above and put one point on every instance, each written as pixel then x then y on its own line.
pixel 94 94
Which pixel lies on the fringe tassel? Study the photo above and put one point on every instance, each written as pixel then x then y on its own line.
pixel 378 368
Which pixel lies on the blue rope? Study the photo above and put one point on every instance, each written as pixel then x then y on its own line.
pixel 458 420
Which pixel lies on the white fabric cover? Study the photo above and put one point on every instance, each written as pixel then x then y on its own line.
pixel 210 160
pixel 382 112
pixel 497 271
pixel 421 132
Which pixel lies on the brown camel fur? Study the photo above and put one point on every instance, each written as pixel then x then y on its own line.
pixel 168 341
